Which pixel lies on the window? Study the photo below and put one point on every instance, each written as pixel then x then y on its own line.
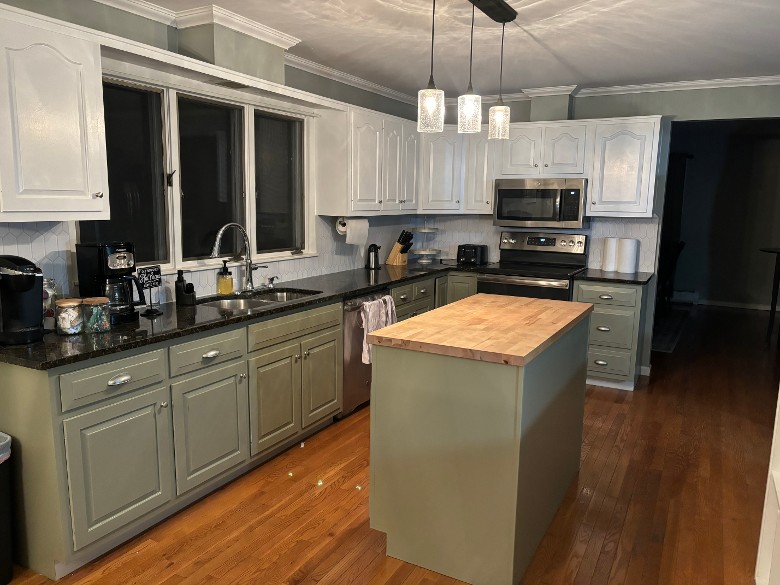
pixel 136 176
pixel 279 204
pixel 211 163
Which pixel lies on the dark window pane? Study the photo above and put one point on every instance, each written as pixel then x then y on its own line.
pixel 278 184
pixel 134 151
pixel 210 157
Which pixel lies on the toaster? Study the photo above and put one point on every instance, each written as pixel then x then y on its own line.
pixel 472 254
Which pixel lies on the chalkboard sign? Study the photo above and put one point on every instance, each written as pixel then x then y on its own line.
pixel 150 276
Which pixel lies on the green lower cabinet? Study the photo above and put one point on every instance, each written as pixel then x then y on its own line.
pixel 459 287
pixel 210 424
pixel 118 464
pixel 274 396
pixel 321 373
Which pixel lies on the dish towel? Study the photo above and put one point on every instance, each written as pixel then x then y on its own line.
pixel 376 315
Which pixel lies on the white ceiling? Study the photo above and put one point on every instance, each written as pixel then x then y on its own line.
pixel 592 43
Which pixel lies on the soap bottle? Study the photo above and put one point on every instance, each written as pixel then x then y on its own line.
pixel 224 280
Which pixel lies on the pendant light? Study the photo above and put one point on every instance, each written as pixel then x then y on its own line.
pixel 470 104
pixel 498 126
pixel 430 101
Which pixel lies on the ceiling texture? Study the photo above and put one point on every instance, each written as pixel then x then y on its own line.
pixel 590 43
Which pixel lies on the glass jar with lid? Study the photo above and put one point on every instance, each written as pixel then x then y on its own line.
pixel 96 315
pixel 68 315
pixel 49 296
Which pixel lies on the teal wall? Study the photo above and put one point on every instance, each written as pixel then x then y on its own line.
pixel 103 18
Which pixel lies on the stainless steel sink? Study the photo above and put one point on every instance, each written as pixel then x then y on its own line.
pixel 237 304
pixel 282 296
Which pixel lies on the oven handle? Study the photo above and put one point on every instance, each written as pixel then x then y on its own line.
pixel 523 281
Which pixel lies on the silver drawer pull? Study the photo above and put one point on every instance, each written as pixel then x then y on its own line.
pixel 211 354
pixel 606 297
pixel 163 404
pixel 402 298
pixel 600 363
pixel 603 328
pixel 120 380
pixel 423 291
pixel 296 357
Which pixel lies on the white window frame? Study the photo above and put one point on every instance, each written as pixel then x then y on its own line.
pixel 172 85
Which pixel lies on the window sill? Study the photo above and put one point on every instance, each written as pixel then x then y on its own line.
pixel 216 263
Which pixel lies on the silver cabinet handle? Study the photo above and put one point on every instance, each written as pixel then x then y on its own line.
pixel 606 297
pixel 296 357
pixel 545 164
pixel 487 202
pixel 423 291
pixel 593 202
pixel 458 201
pixel 211 354
pixel 98 195
pixel 380 201
pixel 163 404
pixel 242 376
pixel 120 380
pixel 306 354
pixel 536 164
pixel 402 298
pixel 600 362
pixel 603 328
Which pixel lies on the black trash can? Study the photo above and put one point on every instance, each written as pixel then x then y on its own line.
pixel 6 548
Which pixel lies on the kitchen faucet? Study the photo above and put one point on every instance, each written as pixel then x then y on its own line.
pixel 249 267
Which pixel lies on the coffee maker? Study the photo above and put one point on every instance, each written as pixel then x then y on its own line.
pixel 21 301
pixel 106 269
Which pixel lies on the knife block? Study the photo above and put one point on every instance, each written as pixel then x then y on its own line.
pixel 395 258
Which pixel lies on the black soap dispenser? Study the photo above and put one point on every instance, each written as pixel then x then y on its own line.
pixel 185 291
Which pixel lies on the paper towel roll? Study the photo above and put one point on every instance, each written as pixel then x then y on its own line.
pixel 609 255
pixel 628 255
pixel 357 232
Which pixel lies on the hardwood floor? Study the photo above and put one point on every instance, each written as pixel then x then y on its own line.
pixel 670 490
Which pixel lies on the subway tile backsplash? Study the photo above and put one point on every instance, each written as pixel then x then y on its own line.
pixel 48 245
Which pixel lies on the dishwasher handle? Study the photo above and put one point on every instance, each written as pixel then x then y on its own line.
pixel 355 304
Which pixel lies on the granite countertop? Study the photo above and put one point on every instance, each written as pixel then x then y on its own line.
pixel 60 350
pixel 616 277
pixel 490 328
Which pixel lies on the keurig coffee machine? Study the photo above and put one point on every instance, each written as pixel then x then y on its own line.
pixel 106 269
pixel 21 301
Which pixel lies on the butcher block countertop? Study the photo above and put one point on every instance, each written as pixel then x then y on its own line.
pixel 490 328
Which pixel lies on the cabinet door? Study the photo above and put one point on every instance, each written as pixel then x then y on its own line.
pixel 622 178
pixel 564 149
pixel 411 167
pixel 477 173
pixel 274 396
pixel 366 161
pixel 441 291
pixel 522 153
pixel 52 136
pixel 210 424
pixel 392 165
pixel 119 464
pixel 321 370
pixel 460 287
pixel 441 171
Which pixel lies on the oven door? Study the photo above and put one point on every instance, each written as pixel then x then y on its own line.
pixel 522 286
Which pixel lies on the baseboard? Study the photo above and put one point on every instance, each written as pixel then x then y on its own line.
pixel 614 384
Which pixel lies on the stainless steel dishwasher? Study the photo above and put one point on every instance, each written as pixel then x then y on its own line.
pixel 357 375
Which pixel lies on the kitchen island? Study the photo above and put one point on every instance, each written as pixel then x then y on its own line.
pixel 476 430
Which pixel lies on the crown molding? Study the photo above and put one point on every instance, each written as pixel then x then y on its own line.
pixel 492 99
pixel 548 91
pixel 216 15
pixel 336 75
pixel 681 86
pixel 145 9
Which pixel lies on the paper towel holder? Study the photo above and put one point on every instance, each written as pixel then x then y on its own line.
pixel 341 226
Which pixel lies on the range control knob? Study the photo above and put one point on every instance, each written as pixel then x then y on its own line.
pixel 579 244
pixel 571 243
pixel 504 241
pixel 563 243
pixel 512 241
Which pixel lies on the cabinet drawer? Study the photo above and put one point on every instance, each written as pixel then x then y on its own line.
pixel 414 309
pixel 118 377
pixel 423 290
pixel 283 329
pixel 210 351
pixel 607 361
pixel 403 294
pixel 607 295
pixel 612 327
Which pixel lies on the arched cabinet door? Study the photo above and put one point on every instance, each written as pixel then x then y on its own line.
pixel 441 171
pixel 564 149
pixel 623 175
pixel 52 133
pixel 522 153
pixel 366 161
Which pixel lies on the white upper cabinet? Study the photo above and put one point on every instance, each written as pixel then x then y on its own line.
pixel 441 184
pixel 411 166
pixel 622 182
pixel 522 153
pixel 549 149
pixel 367 157
pixel 477 173
pixel 392 165
pixel 52 134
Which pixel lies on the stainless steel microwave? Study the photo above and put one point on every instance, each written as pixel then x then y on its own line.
pixel 540 203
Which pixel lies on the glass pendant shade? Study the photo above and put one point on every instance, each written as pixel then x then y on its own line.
pixel 430 110
pixel 469 113
pixel 498 125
